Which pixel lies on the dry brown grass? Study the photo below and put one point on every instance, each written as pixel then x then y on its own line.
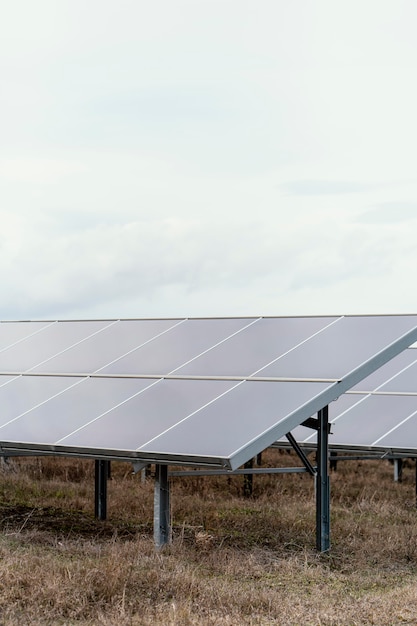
pixel 234 560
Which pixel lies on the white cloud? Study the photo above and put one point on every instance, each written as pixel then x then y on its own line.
pixel 211 157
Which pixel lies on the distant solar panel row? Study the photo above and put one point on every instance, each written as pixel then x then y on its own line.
pixel 75 387
pixel 380 413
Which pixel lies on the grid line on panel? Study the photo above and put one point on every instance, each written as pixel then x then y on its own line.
pixel 216 344
pixel 297 346
pixel 77 343
pixel 55 395
pixel 200 408
pixel 108 411
pixel 182 321
pixel 15 343
pixel 391 430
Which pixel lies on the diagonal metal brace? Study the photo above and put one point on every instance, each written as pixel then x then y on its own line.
pixel 310 469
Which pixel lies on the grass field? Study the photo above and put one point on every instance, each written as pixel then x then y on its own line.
pixel 233 560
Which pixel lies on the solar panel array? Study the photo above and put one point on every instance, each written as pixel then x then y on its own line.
pixel 189 391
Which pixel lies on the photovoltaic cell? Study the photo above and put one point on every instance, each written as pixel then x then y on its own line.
pixel 182 343
pixel 80 402
pixel 371 417
pixel 389 371
pixel 254 347
pixel 403 436
pixel 100 349
pixel 341 348
pixel 13 332
pixel 23 393
pixel 405 381
pixel 147 415
pixel 51 340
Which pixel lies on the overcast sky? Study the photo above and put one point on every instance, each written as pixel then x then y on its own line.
pixel 207 157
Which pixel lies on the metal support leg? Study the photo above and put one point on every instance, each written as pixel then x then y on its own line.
pixel 398 470
pixel 101 475
pixel 323 483
pixel 416 483
pixel 248 480
pixel 162 512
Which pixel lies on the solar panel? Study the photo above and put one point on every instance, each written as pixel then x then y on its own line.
pixel 14 332
pixel 401 437
pixel 50 340
pixel 371 417
pixel 59 405
pixel 189 391
pixel 255 346
pixel 338 350
pixel 183 343
pixel 83 346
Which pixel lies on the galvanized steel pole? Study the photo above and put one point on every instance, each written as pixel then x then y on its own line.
pixel 101 475
pixel 162 512
pixel 323 483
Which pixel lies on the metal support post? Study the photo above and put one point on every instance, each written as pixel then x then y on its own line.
pixel 416 483
pixel 162 512
pixel 333 461
pixel 248 480
pixel 101 475
pixel 398 470
pixel 323 483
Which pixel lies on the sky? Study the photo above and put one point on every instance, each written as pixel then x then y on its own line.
pixel 181 158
